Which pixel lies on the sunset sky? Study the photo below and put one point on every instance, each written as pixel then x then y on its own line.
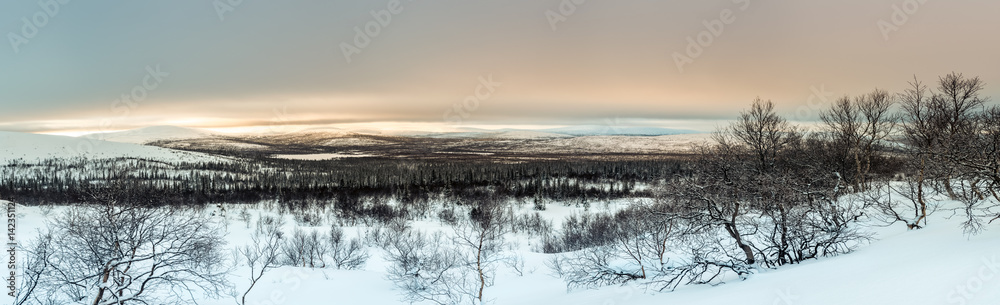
pixel 232 63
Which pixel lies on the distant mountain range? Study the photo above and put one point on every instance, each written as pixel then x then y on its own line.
pixel 179 143
pixel 562 132
pixel 151 134
pixel 159 133
pixel 610 130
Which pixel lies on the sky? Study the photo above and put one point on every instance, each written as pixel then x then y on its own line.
pixel 72 66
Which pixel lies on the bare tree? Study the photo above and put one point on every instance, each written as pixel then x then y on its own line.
pixel 723 190
pixel 921 136
pixel 717 190
pixel 950 135
pixel 943 124
pixel 263 252
pixel 763 186
pixel 985 161
pixel 860 127
pixel 762 131
pixel 483 237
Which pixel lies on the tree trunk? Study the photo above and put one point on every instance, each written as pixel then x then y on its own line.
pixel 735 234
pixel 104 279
pixel 920 198
pixel 947 187
pixel 783 255
pixel 479 267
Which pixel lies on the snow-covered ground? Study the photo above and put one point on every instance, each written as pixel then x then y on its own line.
pixel 934 265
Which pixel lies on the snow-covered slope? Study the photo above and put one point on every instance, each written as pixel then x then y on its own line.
pixel 34 147
pixel 934 265
pixel 151 134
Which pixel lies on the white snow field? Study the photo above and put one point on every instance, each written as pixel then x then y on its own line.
pixel 934 265
pixel 36 147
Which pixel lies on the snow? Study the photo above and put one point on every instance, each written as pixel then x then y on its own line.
pixel 934 265
pixel 36 147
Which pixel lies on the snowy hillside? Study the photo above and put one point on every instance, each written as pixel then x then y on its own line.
pixel 935 265
pixel 151 134
pixel 34 147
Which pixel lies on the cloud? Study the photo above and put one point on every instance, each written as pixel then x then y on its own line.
pixel 604 59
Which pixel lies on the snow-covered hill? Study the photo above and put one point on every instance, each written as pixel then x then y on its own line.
pixel 35 147
pixel 151 134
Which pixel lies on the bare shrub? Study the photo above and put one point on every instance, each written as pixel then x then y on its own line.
pixel 263 252
pixel 346 254
pixel 116 253
pixel 304 249
pixel 426 269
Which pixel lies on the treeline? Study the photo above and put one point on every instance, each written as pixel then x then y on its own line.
pixel 295 183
